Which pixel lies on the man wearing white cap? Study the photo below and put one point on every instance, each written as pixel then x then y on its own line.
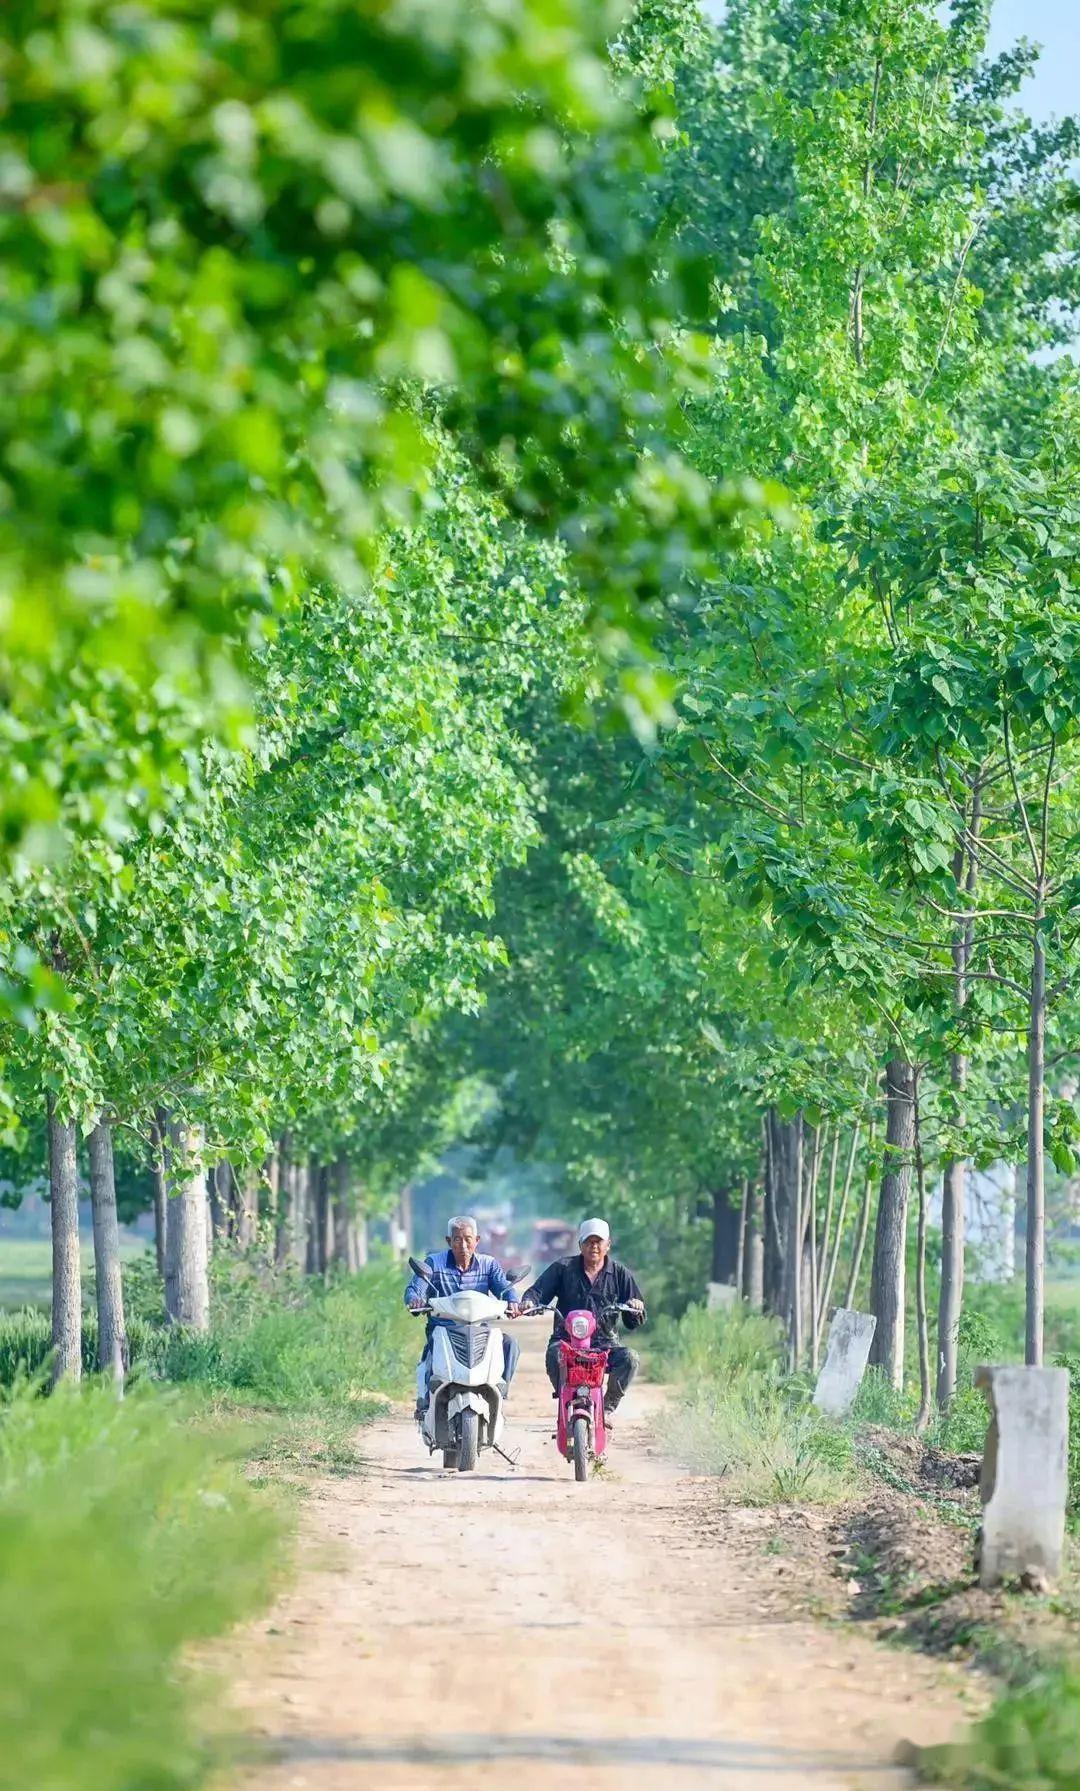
pixel 592 1281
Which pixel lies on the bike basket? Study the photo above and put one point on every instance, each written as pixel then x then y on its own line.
pixel 586 1368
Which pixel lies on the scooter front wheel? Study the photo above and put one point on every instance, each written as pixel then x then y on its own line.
pixel 468 1442
pixel 580 1437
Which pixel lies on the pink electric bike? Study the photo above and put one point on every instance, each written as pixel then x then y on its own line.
pixel 581 1433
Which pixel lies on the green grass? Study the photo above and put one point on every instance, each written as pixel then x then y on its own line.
pixel 26 1268
pixel 738 1416
pixel 127 1531
pixel 1029 1741
pixel 130 1530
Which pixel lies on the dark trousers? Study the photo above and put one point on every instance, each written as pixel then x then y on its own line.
pixel 622 1367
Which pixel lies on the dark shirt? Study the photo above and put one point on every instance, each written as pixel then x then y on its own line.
pixel 569 1286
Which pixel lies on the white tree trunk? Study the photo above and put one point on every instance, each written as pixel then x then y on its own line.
pixel 112 1333
pixel 1036 1161
pixel 66 1264
pixel 187 1281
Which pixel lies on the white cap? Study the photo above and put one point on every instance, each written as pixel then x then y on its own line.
pixel 593 1228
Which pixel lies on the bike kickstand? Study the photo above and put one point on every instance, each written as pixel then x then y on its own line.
pixel 512 1459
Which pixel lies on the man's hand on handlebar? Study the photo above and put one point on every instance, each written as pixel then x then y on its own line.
pixel 417 1305
pixel 635 1305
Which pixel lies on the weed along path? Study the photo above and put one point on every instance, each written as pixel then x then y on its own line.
pixel 446 1629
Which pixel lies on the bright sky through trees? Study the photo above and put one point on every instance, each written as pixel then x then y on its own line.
pixel 1055 24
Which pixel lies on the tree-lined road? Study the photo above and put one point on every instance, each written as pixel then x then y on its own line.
pixel 544 1632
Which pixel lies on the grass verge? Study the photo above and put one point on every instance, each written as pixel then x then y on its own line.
pixel 126 1532
pixel 738 1416
pixel 1029 1741
pixel 129 1531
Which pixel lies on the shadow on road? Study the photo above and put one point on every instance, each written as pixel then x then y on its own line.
pixel 571 1750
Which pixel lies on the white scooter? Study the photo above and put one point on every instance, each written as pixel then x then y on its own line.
pixel 466 1389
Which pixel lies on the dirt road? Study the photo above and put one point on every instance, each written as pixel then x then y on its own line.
pixel 449 1630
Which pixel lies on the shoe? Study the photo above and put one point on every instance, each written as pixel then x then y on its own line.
pixel 420 1409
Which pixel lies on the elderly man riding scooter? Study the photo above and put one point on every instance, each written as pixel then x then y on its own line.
pixel 595 1282
pixel 453 1270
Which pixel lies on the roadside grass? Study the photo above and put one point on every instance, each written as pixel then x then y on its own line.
pixel 1028 1741
pixel 737 1415
pixel 132 1529
pixel 127 1531
pixel 279 1340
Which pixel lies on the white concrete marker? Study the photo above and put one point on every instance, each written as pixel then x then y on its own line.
pixel 850 1337
pixel 1024 1474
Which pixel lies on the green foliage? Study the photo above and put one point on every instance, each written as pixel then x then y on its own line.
pixel 248 252
pixel 127 1532
pixel 1030 1741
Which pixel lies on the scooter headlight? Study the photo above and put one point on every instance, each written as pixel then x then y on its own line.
pixel 580 1327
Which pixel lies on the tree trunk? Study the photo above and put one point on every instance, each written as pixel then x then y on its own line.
pixel 887 1280
pixel 66 1262
pixel 859 1246
pixel 113 1358
pixel 950 1298
pixel 793 1264
pixel 771 1233
pixel 403 1224
pixel 313 1263
pixel 781 1246
pixel 301 1189
pixel 219 1182
pixel 744 1222
pixel 343 1219
pixel 271 1200
pixel 925 1396
pixel 187 1282
pixel 826 1234
pixel 161 1190
pixel 283 1222
pixel 753 1287
pixel 954 1186
pixel 325 1220
pixel 246 1207
pixel 812 1239
pixel 725 1237
pixel 1036 1163
pixel 838 1234
pixel 358 1243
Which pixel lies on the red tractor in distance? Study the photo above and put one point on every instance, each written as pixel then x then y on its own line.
pixel 552 1238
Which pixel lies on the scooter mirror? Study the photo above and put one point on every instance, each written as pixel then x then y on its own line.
pixel 520 1275
pixel 421 1269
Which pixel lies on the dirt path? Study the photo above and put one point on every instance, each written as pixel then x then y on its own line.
pixel 555 1633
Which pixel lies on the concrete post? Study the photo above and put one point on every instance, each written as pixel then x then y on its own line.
pixel 1024 1474
pixel 850 1337
pixel 720 1296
